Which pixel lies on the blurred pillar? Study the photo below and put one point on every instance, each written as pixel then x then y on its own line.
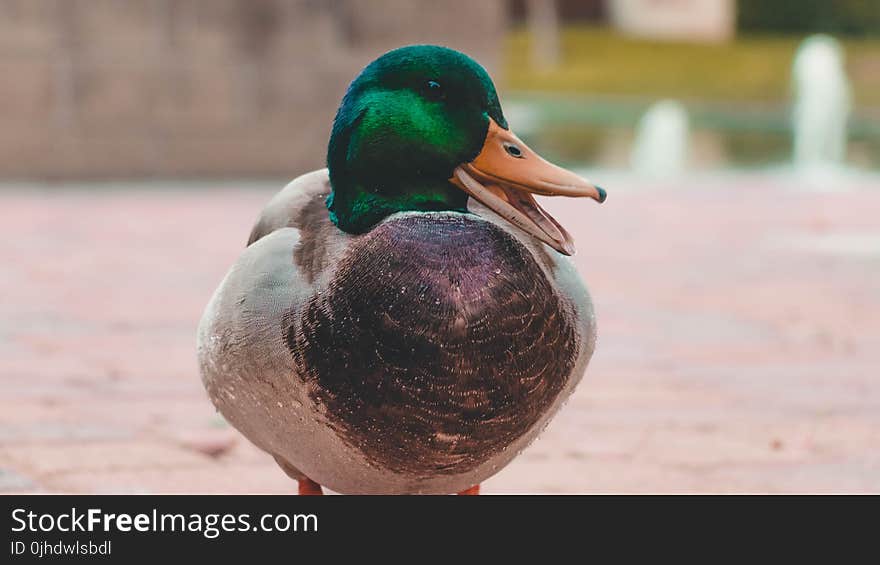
pixel 543 23
pixel 693 20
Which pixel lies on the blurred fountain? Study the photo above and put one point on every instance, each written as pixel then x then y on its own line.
pixel 821 106
pixel 522 117
pixel 661 147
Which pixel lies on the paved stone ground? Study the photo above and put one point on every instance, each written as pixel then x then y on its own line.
pixel 739 342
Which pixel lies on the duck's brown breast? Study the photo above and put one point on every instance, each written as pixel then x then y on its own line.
pixel 438 343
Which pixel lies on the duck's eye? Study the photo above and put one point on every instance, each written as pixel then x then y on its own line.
pixel 514 151
pixel 434 91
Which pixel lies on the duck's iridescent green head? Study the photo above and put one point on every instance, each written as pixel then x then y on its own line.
pixel 421 128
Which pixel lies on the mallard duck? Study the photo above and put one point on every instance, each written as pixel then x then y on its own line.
pixel 405 320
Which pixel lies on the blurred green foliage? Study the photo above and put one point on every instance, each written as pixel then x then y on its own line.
pixel 854 17
pixel 751 68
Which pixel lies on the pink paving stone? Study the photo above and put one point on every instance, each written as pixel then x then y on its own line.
pixel 738 350
pixel 210 479
pixel 10 481
pixel 51 459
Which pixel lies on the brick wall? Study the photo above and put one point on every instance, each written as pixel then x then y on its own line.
pixel 177 88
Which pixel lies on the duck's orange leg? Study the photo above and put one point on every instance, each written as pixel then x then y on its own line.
pixel 473 491
pixel 309 487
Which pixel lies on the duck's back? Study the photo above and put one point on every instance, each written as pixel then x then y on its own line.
pixel 420 355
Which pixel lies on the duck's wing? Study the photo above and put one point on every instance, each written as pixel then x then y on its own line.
pixel 245 363
pixel 300 204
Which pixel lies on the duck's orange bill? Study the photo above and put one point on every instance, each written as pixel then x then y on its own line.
pixel 504 176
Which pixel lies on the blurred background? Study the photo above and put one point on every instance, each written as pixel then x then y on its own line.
pixel 735 267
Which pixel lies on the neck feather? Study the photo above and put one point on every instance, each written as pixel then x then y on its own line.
pixel 356 207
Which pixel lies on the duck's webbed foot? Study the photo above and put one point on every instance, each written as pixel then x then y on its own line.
pixel 308 487
pixel 473 491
